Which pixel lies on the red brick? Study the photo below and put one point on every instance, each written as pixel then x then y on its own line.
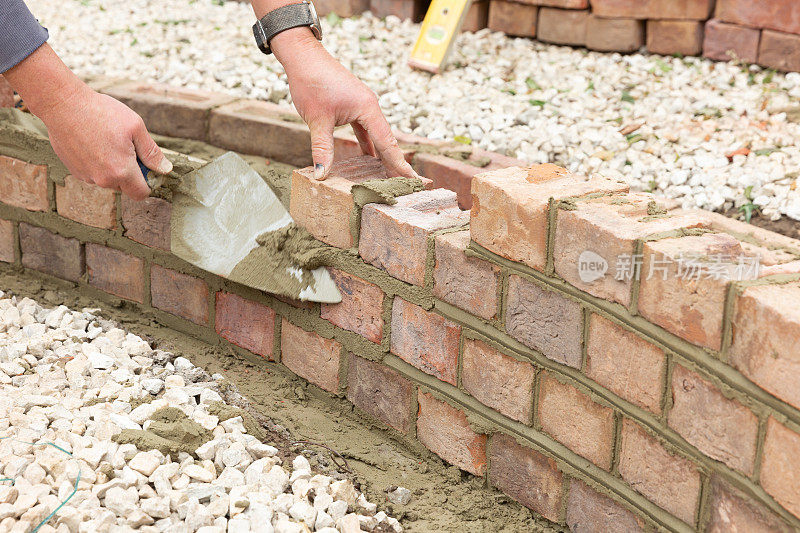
pixel 445 431
pixel 403 9
pixel 526 475
pixel 6 93
pixel 50 253
pixel 545 321
pixel 730 510
pixel 510 208
pixel 147 221
pixel 512 18
pixel 86 203
pixel 167 110
pixel 779 474
pixel 690 308
pixel 245 323
pixel 425 340
pixel 261 128
pixel 361 308
pixel 588 511
pixel 624 363
pixel 614 34
pixel 780 51
pixel 563 26
pixel 765 330
pixel 381 392
pixel 497 380
pixel 466 282
pixel 395 237
pixel 23 184
pixel 780 15
pixel 668 37
pixel 179 294
pixel 6 241
pixel 773 248
pixel 310 356
pixel 115 272
pixel 564 4
pixel 654 9
pixel 345 144
pixel 574 420
pixel 669 481
pixel 343 8
pixel 720 427
pixel 477 16
pixel 722 40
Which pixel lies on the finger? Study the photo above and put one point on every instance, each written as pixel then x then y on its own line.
pixel 367 148
pixel 148 151
pixel 386 145
pixel 321 147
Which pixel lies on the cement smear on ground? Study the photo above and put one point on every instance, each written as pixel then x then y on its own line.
pixel 170 432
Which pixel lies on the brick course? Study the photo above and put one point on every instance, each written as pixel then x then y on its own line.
pixel 147 221
pixel 730 510
pixel 86 203
pixel 668 37
pixel 115 272
pixel 654 9
pixel 588 510
pixel 563 26
pixel 310 356
pixel 779 475
pixel 245 323
pixel 780 51
pixel 50 253
pixel 381 392
pixel 23 184
pixel 721 40
pixel 614 34
pixel 179 294
pixel 512 18
pixel 361 308
pixel 780 15
pixel 6 241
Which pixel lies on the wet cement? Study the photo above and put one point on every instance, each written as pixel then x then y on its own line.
pixel 170 432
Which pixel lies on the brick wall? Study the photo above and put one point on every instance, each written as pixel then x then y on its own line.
pixel 634 404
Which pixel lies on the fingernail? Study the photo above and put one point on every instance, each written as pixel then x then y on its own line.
pixel 319 171
pixel 165 167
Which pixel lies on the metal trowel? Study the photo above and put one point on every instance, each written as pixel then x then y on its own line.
pixel 219 210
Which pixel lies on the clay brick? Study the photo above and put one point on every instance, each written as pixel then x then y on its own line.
pixel 115 272
pixel 425 340
pixel 381 392
pixel 147 221
pixel 564 4
pixel 690 308
pixel 526 475
pixel 345 144
pixel 466 282
pixel 23 184
pixel 245 323
pixel 6 93
pixel 477 16
pixel 625 363
pixel 395 237
pixel 669 481
pixel 588 511
pixel 780 51
pixel 780 15
pixel 413 10
pixel 575 421
pixel 730 510
pixel 174 111
pixel 261 128
pixel 668 37
pixel 563 26
pixel 86 203
pixel 765 329
pixel 510 208
pixel 498 381
pixel 512 18
pixel 310 356
pixel 545 321
pixel 361 308
pixel 614 35
pixel 179 294
pixel 654 9
pixel 343 8
pixel 51 253
pixel 6 241
pixel 773 248
pixel 719 427
pixel 444 430
pixel 779 474
pixel 721 40
pixel 609 227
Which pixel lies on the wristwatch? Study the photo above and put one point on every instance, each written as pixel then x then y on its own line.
pixel 284 18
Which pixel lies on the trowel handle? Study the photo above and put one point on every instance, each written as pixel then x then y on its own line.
pixel 144 170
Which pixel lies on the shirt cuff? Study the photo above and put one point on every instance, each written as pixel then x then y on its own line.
pixel 20 33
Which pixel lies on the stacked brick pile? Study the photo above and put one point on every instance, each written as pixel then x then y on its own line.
pixel 608 404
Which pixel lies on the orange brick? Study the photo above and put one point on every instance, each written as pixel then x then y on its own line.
pixel 780 15
pixel 669 481
pixel 563 26
pixel 445 431
pixel 361 308
pixel 722 40
pixel 765 330
pixel 343 8
pixel 477 16
pixel 23 184
pixel 310 356
pixel 510 208
pixel 245 323
pixel 6 93
pixel 6 241
pixel 668 37
pixel 780 51
pixel 147 221
pixel 574 420
pixel 86 203
pixel 730 510
pixel 179 294
pixel 779 475
pixel 526 475
pixel 425 340
pixel 413 10
pixel 51 253
pixel 654 9
pixel 381 392
pixel 115 272
pixel 588 510
pixel 624 363
pixel 614 34
pixel 512 18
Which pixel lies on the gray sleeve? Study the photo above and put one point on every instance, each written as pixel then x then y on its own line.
pixel 20 33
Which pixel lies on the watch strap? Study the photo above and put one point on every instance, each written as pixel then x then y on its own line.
pixel 281 19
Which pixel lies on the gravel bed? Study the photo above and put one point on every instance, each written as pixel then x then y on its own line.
pixel 98 432
pixel 713 135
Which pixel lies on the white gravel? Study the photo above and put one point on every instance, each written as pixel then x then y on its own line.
pixel 67 383
pixel 534 101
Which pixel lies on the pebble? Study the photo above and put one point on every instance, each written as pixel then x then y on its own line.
pixel 399 496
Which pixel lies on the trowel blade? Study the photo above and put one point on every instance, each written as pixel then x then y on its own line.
pixel 219 210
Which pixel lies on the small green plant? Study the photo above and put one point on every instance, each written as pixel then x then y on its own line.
pixel 462 139
pixel 532 85
pixel 537 103
pixel 626 97
pixel 749 209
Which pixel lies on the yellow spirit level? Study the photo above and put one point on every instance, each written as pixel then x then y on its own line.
pixel 439 29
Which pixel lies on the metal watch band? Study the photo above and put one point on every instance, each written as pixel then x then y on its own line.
pixel 282 19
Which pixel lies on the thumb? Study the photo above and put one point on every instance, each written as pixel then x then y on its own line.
pixel 321 147
pixel 148 151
